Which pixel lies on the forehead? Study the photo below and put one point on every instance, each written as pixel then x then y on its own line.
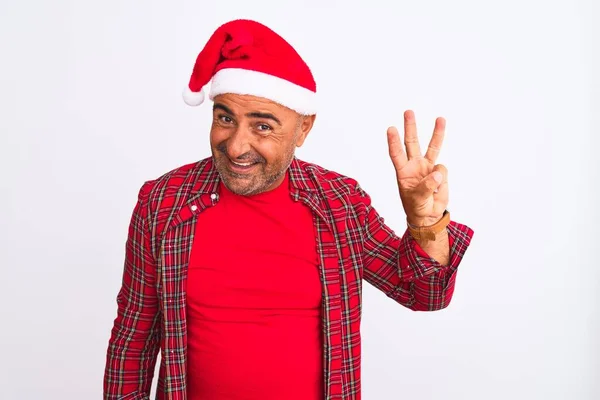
pixel 242 103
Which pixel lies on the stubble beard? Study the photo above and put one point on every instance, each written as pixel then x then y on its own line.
pixel 260 181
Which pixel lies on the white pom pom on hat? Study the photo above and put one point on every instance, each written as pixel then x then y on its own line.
pixel 246 57
pixel 193 98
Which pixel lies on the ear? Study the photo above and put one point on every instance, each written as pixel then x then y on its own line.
pixel 305 125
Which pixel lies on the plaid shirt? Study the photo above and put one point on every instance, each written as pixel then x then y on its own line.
pixel 352 242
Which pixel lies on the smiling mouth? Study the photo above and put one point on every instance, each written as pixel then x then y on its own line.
pixel 242 164
pixel 241 167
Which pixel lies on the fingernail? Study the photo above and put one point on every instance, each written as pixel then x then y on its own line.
pixel 437 176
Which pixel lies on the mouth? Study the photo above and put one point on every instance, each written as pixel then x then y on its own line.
pixel 241 168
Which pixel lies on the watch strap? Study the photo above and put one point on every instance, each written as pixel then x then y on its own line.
pixel 430 232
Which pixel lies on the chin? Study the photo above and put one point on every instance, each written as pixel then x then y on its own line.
pixel 242 186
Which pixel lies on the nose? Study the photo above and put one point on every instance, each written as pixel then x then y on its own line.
pixel 238 144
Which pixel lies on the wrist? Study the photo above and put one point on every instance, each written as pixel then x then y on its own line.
pixel 423 221
pixel 428 229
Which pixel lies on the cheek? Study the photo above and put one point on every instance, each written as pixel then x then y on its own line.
pixel 217 135
pixel 274 152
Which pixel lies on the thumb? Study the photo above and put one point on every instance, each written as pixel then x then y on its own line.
pixel 429 184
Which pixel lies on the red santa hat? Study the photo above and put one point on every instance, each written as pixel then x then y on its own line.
pixel 246 57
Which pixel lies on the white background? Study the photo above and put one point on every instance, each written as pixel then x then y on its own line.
pixel 91 108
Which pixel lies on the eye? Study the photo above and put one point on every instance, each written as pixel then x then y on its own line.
pixel 263 128
pixel 225 119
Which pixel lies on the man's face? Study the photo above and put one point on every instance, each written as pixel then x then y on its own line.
pixel 253 141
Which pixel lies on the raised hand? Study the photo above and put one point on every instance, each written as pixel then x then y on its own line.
pixel 423 185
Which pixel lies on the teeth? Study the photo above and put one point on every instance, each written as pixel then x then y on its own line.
pixel 242 165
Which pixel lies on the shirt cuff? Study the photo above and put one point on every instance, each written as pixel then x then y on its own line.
pixel 459 237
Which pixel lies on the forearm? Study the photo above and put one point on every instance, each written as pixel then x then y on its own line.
pixel 438 249
pixel 132 351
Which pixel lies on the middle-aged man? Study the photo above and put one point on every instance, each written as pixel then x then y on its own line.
pixel 245 269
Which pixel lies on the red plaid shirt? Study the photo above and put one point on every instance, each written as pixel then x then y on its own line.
pixel 352 242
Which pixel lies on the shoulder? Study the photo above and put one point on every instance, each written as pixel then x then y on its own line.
pixel 176 183
pixel 332 184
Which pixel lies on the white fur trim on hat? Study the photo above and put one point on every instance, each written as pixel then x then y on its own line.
pixel 259 84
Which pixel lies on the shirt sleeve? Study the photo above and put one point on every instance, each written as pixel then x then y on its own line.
pixel 135 336
pixel 403 271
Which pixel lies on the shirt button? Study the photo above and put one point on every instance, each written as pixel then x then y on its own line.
pixel 194 207
pixel 214 196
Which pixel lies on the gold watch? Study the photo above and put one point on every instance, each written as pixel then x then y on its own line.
pixel 430 232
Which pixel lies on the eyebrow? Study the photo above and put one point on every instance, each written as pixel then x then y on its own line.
pixel 254 114
pixel 219 106
pixel 264 116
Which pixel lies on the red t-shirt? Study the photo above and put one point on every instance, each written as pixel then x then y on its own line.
pixel 254 301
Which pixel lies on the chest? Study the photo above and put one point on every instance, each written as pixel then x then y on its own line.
pixel 248 257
